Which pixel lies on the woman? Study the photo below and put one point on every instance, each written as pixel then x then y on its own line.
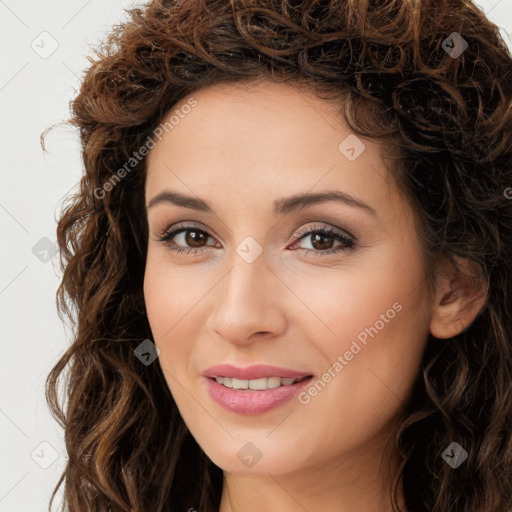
pixel 288 261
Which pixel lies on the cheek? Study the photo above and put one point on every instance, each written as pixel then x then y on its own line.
pixel 174 299
pixel 165 308
pixel 159 303
pixel 374 326
pixel 168 296
pixel 372 365
pixel 166 311
pixel 341 303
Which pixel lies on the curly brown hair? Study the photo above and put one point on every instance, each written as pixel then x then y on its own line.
pixel 448 116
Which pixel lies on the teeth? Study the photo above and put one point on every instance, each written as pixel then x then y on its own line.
pixel 256 384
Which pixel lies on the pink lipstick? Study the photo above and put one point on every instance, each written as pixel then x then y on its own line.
pixel 260 387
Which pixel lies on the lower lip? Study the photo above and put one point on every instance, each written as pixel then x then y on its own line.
pixel 249 402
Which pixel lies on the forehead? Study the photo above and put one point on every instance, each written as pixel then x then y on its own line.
pixel 262 141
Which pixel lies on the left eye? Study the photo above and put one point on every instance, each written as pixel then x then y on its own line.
pixel 321 240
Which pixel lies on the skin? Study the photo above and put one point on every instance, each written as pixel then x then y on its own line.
pixel 239 149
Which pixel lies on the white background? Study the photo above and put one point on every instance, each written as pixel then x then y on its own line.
pixel 34 94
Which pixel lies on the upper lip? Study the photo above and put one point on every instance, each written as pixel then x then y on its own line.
pixel 257 371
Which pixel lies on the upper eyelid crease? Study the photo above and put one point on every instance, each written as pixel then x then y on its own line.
pixel 175 229
pixel 178 228
pixel 281 206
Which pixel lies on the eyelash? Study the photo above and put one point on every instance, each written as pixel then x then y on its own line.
pixel 348 242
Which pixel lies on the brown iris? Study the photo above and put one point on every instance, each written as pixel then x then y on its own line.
pixel 319 237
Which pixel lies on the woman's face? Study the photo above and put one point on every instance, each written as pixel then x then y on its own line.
pixel 346 303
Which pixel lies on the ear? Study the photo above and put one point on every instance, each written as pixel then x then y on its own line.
pixel 460 296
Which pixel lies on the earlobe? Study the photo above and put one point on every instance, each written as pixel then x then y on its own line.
pixel 460 296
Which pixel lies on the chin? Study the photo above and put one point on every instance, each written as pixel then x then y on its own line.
pixel 247 458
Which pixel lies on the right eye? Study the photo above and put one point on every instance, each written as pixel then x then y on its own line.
pixel 186 234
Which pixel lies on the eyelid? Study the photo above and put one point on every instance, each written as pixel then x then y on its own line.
pixel 324 227
pixel 172 228
pixel 295 236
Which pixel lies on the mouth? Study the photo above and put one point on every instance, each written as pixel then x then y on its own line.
pixel 261 384
pixel 254 396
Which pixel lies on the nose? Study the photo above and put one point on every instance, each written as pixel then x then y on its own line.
pixel 249 303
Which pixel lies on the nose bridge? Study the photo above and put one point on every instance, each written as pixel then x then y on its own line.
pixel 246 300
pixel 249 273
pixel 245 286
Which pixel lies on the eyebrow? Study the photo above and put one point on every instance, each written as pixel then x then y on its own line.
pixel 281 206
